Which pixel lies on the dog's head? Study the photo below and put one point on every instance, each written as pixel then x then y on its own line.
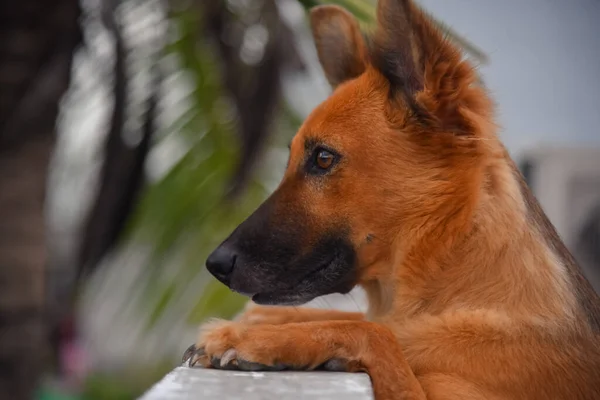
pixel 384 157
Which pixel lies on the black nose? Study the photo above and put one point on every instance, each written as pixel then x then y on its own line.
pixel 220 263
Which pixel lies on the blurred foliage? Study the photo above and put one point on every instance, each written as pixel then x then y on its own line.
pixel 188 202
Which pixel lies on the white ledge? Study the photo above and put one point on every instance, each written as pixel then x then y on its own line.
pixel 184 383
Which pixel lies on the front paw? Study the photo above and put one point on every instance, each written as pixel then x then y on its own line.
pixel 238 346
pixel 218 347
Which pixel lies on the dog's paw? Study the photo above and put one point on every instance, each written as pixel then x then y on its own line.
pixel 238 346
pixel 212 343
pixel 227 345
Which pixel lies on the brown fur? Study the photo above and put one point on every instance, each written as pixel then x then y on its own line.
pixel 472 295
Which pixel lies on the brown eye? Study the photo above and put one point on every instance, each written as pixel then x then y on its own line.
pixel 324 159
pixel 321 161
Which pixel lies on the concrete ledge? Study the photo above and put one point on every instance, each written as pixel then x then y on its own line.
pixel 185 383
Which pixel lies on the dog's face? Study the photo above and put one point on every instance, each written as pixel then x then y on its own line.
pixel 359 176
pixel 306 239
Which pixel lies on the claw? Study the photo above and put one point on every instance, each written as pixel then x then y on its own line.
pixel 194 355
pixel 227 357
pixel 188 353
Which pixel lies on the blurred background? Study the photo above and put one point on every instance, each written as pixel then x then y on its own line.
pixel 136 134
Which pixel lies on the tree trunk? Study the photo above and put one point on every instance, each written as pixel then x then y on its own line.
pixel 22 258
pixel 37 42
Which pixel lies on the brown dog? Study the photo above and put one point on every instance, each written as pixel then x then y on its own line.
pixel 398 183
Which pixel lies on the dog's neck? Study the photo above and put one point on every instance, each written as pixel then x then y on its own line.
pixel 502 261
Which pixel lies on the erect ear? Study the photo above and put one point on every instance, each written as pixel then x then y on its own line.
pixel 423 67
pixel 395 53
pixel 340 44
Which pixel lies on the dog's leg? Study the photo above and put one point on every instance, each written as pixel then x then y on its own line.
pixel 334 345
pixel 255 314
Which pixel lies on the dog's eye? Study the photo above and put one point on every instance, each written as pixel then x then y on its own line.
pixel 321 161
pixel 324 159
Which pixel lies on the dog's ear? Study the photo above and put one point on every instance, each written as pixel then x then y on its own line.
pixel 340 45
pixel 423 67
pixel 394 52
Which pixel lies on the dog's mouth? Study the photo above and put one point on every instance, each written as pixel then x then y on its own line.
pixel 284 276
pixel 329 277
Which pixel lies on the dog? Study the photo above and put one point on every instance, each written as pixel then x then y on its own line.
pixel 399 184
